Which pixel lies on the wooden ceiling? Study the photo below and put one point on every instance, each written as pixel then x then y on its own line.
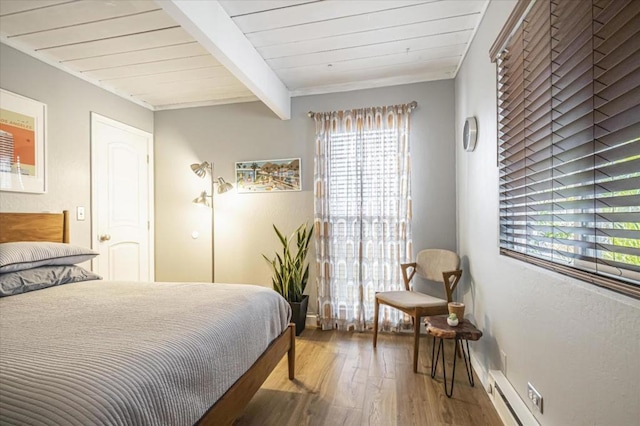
pixel 138 49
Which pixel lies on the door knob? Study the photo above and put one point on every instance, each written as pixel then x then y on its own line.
pixel 104 237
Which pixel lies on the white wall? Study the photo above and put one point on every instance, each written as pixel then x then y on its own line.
pixel 249 131
pixel 576 343
pixel 70 102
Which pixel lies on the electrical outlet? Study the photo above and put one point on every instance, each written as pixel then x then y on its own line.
pixel 534 396
pixel 80 213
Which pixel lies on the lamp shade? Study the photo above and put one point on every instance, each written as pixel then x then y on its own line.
pixel 203 199
pixel 223 185
pixel 201 169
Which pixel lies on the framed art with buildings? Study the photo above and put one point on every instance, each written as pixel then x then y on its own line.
pixel 268 175
pixel 22 144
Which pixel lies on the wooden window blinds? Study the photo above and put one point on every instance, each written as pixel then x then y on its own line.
pixel 568 93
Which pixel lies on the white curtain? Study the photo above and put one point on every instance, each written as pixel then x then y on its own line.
pixel 362 173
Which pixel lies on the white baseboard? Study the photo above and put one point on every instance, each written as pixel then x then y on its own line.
pixel 311 321
pixel 481 372
pixel 525 416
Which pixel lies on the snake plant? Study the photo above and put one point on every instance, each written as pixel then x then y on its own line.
pixel 290 273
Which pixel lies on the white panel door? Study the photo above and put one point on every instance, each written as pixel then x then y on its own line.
pixel 122 202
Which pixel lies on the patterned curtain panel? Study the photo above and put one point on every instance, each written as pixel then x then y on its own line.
pixel 362 219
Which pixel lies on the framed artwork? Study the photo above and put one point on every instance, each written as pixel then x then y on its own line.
pixel 268 175
pixel 22 144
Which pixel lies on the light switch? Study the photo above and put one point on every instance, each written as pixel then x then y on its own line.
pixel 80 213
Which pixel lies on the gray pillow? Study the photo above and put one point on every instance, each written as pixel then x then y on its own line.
pixel 45 276
pixel 23 255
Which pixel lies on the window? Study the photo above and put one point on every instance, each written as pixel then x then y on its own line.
pixel 366 165
pixel 569 138
pixel 362 211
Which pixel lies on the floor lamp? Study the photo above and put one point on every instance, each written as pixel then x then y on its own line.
pixel 202 170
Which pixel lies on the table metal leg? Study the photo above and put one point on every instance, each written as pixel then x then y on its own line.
pixel 435 359
pixel 434 364
pixel 467 363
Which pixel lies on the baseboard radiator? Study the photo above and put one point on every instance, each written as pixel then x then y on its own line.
pixel 512 410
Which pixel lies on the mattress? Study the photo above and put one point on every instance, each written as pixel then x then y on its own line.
pixel 125 353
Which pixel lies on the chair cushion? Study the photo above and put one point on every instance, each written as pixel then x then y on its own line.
pixel 410 299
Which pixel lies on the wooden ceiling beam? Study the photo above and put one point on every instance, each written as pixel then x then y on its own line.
pixel 211 26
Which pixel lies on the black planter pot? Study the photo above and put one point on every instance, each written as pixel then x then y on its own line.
pixel 299 313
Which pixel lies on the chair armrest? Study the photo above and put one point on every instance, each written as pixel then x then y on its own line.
pixel 405 276
pixel 450 281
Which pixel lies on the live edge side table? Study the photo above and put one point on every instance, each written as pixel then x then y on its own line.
pixel 437 327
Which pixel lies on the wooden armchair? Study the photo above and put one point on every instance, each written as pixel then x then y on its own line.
pixel 435 265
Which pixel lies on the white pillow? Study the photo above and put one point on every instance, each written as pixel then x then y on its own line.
pixel 23 255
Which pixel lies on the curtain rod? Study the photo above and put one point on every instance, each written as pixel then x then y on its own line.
pixel 412 105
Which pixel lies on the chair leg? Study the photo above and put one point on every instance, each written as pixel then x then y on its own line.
pixel 375 322
pixel 416 342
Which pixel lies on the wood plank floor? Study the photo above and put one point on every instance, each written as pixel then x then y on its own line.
pixel 341 380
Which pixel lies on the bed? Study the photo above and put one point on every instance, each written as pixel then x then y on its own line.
pixel 99 352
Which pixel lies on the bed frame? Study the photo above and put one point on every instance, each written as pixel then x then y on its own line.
pixel 55 227
pixel 34 227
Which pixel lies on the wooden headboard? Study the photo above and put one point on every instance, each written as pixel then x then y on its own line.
pixel 52 227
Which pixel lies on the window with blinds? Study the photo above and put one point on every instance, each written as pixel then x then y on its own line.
pixel 364 174
pixel 569 138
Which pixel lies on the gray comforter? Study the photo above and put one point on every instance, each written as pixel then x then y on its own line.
pixel 129 353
